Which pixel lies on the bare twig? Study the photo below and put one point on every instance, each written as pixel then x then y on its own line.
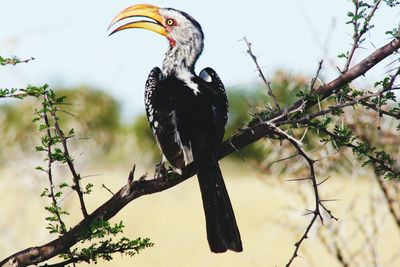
pixel 316 77
pixel 316 212
pixel 262 76
pixel 108 189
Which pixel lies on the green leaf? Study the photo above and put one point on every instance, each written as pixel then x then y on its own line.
pixel 62 185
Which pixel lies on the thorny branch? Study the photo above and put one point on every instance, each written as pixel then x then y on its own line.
pixel 76 177
pixel 385 189
pixel 316 77
pixel 261 74
pixel 378 163
pixel 318 202
pixel 49 170
pixel 358 33
pixel 354 72
pixel 14 61
pixel 353 102
pixel 389 87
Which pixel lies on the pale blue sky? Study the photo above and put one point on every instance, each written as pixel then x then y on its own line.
pixel 70 43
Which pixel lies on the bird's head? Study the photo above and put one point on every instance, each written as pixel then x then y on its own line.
pixel 183 32
pixel 178 27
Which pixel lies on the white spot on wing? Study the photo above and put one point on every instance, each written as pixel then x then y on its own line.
pixel 205 76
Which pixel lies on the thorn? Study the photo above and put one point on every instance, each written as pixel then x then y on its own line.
pixel 329 200
pixel 131 174
pixel 287 158
pixel 309 212
pixel 106 188
pixel 298 179
pixel 326 179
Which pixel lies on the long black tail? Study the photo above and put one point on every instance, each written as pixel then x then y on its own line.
pixel 222 230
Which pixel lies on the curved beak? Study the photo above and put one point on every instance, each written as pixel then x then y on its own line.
pixel 142 10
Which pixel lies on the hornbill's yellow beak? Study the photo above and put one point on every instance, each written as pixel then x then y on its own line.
pixel 142 10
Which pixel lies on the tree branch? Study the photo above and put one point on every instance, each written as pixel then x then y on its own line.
pixel 76 177
pixel 14 61
pixel 358 34
pixel 135 189
pixel 50 173
pixel 261 74
pixel 353 73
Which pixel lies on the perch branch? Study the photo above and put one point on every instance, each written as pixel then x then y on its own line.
pixel 353 73
pixel 135 189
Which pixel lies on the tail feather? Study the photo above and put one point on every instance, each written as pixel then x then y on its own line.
pixel 222 230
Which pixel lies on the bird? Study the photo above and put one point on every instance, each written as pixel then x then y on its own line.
pixel 188 113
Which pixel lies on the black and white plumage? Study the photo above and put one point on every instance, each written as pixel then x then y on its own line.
pixel 174 113
pixel 187 114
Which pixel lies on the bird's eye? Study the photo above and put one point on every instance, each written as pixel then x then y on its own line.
pixel 170 22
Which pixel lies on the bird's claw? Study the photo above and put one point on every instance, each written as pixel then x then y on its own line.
pixel 160 171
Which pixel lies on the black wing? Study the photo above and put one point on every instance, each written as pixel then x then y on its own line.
pixel 222 230
pixel 216 90
pixel 162 119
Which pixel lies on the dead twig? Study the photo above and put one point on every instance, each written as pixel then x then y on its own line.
pixel 262 76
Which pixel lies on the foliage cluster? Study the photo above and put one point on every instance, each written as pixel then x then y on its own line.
pixel 97 240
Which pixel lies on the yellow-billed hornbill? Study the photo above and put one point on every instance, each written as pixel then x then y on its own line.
pixel 188 113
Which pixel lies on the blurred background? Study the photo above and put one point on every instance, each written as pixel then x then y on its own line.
pixel 103 79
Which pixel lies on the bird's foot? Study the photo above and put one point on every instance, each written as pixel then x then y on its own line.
pixel 160 171
pixel 166 173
